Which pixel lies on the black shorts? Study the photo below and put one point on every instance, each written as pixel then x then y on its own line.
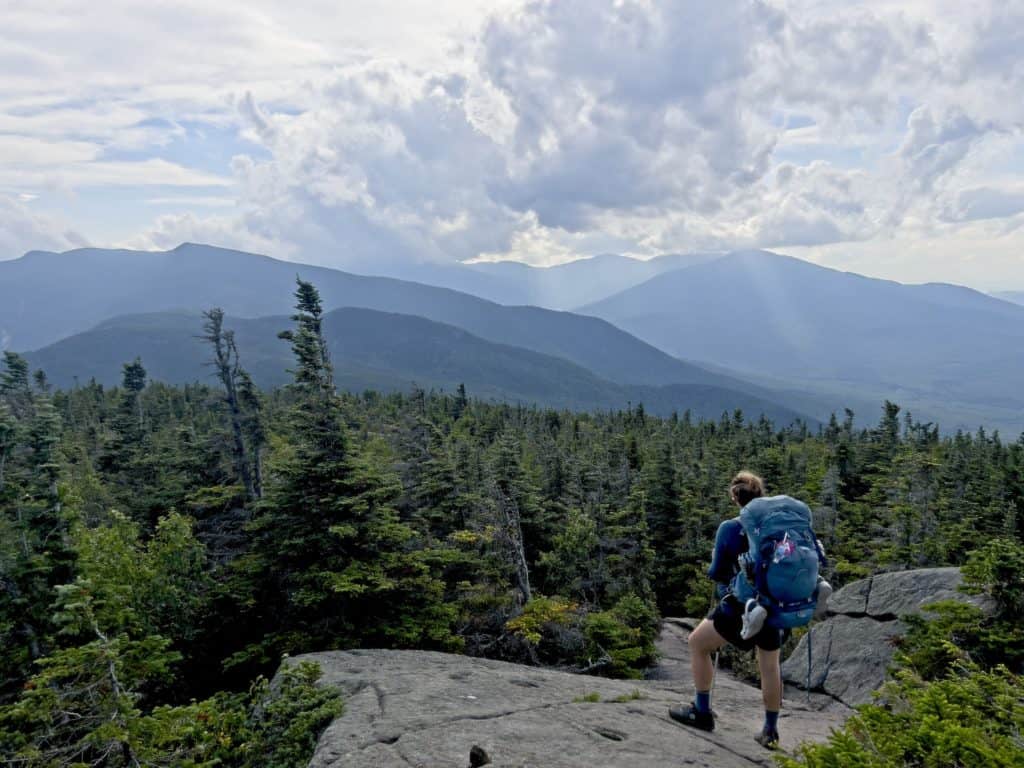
pixel 728 620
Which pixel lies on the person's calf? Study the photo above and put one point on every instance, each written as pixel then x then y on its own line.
pixel 771 679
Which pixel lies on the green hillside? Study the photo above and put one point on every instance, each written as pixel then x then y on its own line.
pixel 941 350
pixel 381 351
pixel 194 277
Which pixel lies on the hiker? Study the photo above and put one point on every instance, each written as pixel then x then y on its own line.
pixel 746 616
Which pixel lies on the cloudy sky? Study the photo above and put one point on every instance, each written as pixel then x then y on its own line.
pixel 883 137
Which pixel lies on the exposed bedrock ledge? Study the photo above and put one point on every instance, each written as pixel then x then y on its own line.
pixel 424 709
pixel 853 648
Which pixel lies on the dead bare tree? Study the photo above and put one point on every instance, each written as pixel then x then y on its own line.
pixel 230 373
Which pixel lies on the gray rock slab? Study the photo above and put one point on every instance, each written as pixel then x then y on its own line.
pixel 897 594
pixel 851 599
pixel 850 657
pixel 854 647
pixel 427 710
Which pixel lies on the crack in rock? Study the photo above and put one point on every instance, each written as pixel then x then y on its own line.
pixel 381 698
pixel 415 727
pixel 735 753
pixel 881 618
pixel 405 758
pixel 424 721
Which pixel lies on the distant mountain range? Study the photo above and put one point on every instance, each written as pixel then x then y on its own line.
pixel 560 287
pixel 947 352
pixel 380 351
pixel 1017 297
pixel 48 296
pixel 776 329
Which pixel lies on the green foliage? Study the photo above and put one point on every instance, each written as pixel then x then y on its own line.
pixel 79 711
pixel 320 520
pixel 289 717
pixel 997 568
pixel 952 701
pixel 935 643
pixel 956 631
pixel 624 635
pixel 570 564
pixel 971 718
pixel 82 706
pixel 539 613
pixel 151 587
pixel 635 695
pixel 116 621
pixel 273 726
pixel 336 564
pixel 587 698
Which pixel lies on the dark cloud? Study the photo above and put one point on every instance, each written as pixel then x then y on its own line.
pixel 653 124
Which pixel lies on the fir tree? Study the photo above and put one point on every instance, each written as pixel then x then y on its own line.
pixel 343 568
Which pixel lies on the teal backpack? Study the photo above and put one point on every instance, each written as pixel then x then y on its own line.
pixel 780 567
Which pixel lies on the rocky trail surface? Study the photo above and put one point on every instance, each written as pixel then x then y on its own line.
pixel 419 709
pixel 428 710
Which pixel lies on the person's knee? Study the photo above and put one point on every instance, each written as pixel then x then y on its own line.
pixel 694 642
pixel 704 639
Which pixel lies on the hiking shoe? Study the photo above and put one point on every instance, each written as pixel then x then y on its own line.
pixel 754 615
pixel 768 739
pixel 690 715
pixel 824 593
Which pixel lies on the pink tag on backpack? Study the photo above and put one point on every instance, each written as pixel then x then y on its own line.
pixel 783 549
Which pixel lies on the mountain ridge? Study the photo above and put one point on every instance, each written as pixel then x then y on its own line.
pixel 1014 297
pixel 255 285
pixel 560 287
pixel 377 350
pixel 939 348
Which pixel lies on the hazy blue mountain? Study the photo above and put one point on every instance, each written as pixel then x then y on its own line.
pixel 376 350
pixel 47 296
pixel 560 287
pixel 947 351
pixel 1017 297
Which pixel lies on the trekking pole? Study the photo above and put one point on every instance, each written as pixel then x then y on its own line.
pixel 714 676
pixel 810 637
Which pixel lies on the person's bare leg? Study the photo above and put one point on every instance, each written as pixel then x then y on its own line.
pixel 704 641
pixel 771 679
pixel 771 692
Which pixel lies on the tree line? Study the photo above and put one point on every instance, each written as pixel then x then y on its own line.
pixel 138 522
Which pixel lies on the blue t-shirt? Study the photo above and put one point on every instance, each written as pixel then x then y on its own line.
pixel 730 543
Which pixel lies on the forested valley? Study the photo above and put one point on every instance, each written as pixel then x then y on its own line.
pixel 162 548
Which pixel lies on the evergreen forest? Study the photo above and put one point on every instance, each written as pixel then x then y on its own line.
pixel 163 548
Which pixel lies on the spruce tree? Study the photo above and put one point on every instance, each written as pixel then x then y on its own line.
pixel 14 384
pixel 84 704
pixel 660 500
pixel 8 437
pixel 626 550
pixel 343 569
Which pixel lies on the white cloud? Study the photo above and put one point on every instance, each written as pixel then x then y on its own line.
pixel 550 128
pixel 171 230
pixel 978 203
pixel 933 147
pixel 22 230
